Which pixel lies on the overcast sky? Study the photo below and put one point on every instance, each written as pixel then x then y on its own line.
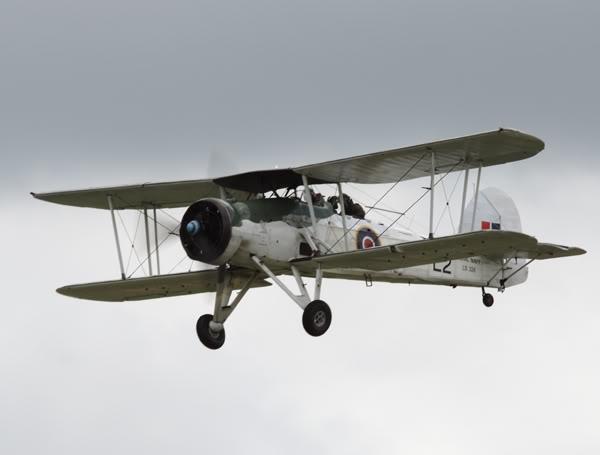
pixel 99 93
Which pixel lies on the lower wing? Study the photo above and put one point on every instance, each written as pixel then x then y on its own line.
pixel 497 244
pixel 159 286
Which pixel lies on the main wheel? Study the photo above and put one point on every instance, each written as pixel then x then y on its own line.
pixel 208 337
pixel 316 318
pixel 488 300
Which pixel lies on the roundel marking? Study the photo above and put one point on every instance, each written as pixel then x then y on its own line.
pixel 366 238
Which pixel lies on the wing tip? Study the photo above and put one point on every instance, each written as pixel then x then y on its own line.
pixel 74 292
pixel 46 197
pixel 538 144
pixel 64 291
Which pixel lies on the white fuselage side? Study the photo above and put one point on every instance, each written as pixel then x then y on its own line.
pixel 277 242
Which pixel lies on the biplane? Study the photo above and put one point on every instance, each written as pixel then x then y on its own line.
pixel 254 227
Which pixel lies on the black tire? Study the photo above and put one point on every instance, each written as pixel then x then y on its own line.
pixel 209 338
pixel 488 300
pixel 316 318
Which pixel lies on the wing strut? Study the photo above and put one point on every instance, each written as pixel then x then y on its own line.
pixel 431 199
pixel 343 213
pixel 114 223
pixel 156 245
pixel 502 269
pixel 504 280
pixel 148 241
pixel 476 196
pixel 464 198
pixel 309 201
pixel 303 299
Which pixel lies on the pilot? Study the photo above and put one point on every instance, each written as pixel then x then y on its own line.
pixel 358 211
pixel 317 198
pixel 352 208
pixel 334 201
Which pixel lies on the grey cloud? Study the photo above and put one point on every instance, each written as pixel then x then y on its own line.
pixel 139 83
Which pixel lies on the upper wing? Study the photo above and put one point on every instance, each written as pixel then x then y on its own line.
pixel 159 195
pixel 155 287
pixel 487 149
pixel 503 244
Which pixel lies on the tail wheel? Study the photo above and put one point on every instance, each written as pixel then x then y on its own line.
pixel 316 318
pixel 488 300
pixel 209 338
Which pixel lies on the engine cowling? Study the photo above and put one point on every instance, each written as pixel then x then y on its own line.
pixel 207 233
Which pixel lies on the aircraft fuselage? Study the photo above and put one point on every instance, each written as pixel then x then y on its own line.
pixel 277 241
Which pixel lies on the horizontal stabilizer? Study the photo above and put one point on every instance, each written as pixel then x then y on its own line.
pixel 550 251
pixel 156 287
pixel 497 244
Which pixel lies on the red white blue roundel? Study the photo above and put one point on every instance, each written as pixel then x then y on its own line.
pixel 366 238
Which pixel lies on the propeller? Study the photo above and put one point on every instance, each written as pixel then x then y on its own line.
pixel 168 225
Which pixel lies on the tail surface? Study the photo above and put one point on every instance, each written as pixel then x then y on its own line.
pixel 495 210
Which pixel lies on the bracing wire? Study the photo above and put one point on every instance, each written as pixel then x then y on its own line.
pixel 361 201
pixel 169 233
pixel 170 216
pixel 149 215
pixel 152 252
pixel 177 265
pixel 132 242
pixel 447 206
pixel 357 188
pixel 404 212
pixel 378 201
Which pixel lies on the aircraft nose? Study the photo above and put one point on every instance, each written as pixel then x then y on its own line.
pixel 193 227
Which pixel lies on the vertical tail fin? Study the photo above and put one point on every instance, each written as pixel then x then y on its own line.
pixel 495 211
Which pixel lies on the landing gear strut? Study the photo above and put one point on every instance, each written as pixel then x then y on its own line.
pixel 488 299
pixel 316 316
pixel 209 327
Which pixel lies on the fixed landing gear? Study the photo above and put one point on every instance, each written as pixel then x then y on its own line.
pixel 212 339
pixel 488 299
pixel 209 327
pixel 316 318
